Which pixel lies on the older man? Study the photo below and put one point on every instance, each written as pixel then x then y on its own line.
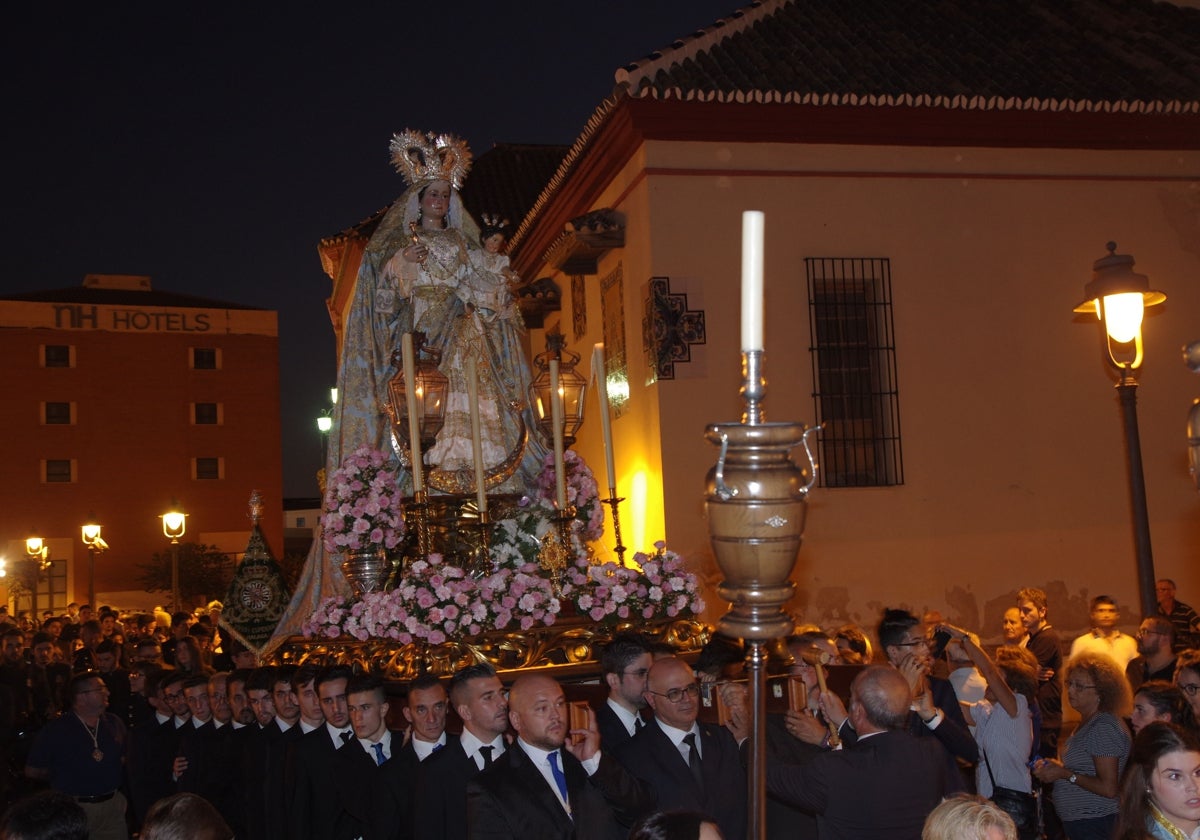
pixel 548 785
pixel 1182 617
pixel 425 711
pixel 687 765
pixel 882 786
pixel 82 755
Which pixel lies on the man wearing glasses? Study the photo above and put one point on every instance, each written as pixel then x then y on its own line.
pixel 625 663
pixel 82 754
pixel 1156 653
pixel 688 766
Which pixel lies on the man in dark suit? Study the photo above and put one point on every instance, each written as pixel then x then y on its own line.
pixel 441 791
pixel 358 763
pixel 625 663
pixel 152 747
pixel 936 713
pixel 885 784
pixel 425 710
pixel 314 809
pixel 686 765
pixel 549 785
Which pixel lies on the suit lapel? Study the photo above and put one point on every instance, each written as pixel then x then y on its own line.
pixel 677 765
pixel 531 779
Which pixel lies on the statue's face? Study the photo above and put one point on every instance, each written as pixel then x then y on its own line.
pixel 435 200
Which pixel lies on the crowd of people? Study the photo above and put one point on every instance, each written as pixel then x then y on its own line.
pixel 935 737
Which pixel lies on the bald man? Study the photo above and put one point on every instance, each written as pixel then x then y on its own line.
pixel 687 765
pixel 885 784
pixel 545 785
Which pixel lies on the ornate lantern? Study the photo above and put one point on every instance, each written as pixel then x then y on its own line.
pixel 431 389
pixel 571 386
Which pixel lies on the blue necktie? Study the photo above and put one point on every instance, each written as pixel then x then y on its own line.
pixel 379 759
pixel 437 747
pixel 557 773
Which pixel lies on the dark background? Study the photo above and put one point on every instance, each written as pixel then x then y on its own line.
pixel 212 148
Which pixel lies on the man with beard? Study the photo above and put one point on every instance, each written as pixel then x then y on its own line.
pixel 1156 658
pixel 239 703
pixel 440 808
pixel 254 746
pixel 47 680
pixel 625 663
pixel 314 809
pixel 116 678
pixel 553 782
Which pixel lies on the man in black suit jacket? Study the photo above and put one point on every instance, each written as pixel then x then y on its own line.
pixel 885 784
pixel 545 788
pixel 625 662
pixel 314 809
pixel 440 810
pixel 358 763
pixel 656 755
pixel 936 713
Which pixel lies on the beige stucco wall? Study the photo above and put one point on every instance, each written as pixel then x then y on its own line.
pixel 1013 452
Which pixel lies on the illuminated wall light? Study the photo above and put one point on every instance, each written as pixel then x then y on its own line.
pixel 638 490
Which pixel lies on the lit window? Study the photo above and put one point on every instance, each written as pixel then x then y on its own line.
pixel 56 413
pixel 854 371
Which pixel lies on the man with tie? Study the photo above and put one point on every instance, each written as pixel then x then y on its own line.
pixel 686 765
pixel 440 809
pixel 552 783
pixel 313 812
pixel 356 764
pixel 625 662
pixel 425 712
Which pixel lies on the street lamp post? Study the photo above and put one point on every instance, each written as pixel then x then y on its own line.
pixel 95 545
pixel 174 523
pixel 1118 297
pixel 39 554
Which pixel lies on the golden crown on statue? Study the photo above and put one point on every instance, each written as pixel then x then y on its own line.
pixel 424 157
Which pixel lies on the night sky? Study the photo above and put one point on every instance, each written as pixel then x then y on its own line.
pixel 212 148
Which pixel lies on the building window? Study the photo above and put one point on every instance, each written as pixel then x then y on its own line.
pixel 59 471
pixel 206 358
pixel 206 414
pixel 207 469
pixel 301 521
pixel 57 414
pixel 58 355
pixel 854 371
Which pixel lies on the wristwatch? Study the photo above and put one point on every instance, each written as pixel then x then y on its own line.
pixel 1073 778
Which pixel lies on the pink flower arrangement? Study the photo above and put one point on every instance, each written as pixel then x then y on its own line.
pixel 582 492
pixel 662 588
pixel 362 504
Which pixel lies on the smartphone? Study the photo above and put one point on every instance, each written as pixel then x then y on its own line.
pixel 938 646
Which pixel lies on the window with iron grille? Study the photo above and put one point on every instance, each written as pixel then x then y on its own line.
pixel 208 468
pixel 59 471
pixel 854 371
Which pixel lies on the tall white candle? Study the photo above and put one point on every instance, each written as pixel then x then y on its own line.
pixel 556 419
pixel 605 421
pixel 752 280
pixel 414 420
pixel 476 434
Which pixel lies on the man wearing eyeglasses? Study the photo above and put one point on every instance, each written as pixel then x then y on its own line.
pixel 1156 653
pixel 82 754
pixel 688 766
pixel 625 662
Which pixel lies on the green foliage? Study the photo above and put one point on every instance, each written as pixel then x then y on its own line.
pixel 204 572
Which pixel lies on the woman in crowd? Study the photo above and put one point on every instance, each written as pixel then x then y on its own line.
pixel 188 658
pixel 853 646
pixel 968 817
pixel 1187 677
pixel 1004 731
pixel 1088 776
pixel 1160 792
pixel 1159 701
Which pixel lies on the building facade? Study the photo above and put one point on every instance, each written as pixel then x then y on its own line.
pixel 121 402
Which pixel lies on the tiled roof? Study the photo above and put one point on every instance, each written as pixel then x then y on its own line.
pixel 123 297
pixel 1066 54
pixel 1127 56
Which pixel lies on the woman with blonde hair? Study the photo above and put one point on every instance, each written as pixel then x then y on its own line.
pixel 1088 776
pixel 968 817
